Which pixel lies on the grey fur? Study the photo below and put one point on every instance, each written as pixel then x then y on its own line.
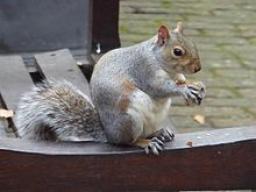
pixel 56 110
pixel 139 64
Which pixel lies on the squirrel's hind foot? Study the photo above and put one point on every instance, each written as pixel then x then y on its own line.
pixel 153 145
pixel 156 143
pixel 164 135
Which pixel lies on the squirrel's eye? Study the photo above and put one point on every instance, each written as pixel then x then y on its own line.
pixel 177 52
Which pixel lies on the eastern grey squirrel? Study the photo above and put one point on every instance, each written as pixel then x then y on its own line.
pixel 131 92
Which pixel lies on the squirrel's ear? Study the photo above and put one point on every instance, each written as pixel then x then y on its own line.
pixel 163 35
pixel 179 27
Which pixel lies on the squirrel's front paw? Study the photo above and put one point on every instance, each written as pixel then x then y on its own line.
pixel 189 95
pixel 198 90
pixel 193 92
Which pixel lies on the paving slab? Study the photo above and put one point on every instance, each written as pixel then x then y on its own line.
pixel 225 35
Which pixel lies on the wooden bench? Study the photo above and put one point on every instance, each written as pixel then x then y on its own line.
pixel 222 159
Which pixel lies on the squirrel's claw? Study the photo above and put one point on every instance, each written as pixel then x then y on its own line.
pixel 194 94
pixel 166 136
pixel 157 140
pixel 188 96
pixel 157 143
pixel 198 99
pixel 169 136
pixel 155 146
pixel 198 90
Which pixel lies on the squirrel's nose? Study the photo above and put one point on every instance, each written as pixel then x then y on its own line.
pixel 198 68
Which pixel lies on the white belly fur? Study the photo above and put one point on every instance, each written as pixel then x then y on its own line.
pixel 153 113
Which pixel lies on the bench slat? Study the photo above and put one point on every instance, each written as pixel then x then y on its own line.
pixel 61 65
pixel 14 80
pixel 214 164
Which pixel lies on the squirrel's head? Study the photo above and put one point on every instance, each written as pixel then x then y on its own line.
pixel 176 52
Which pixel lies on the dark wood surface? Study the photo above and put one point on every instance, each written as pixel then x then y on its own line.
pixel 105 25
pixel 217 160
pixel 198 139
pixel 61 65
pixel 14 80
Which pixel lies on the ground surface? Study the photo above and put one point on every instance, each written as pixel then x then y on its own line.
pixel 225 33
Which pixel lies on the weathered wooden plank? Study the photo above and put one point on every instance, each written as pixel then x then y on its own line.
pixel 3 125
pixel 61 65
pixel 215 162
pixel 14 80
pixel 198 139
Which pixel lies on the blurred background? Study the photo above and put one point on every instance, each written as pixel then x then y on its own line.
pixel 225 33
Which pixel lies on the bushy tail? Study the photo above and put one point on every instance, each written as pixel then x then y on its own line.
pixel 56 110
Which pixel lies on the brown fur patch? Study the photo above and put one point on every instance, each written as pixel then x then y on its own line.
pixel 142 143
pixel 124 100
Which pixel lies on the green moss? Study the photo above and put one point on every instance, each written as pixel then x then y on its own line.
pixel 123 29
pixel 158 22
pixel 202 32
pixel 252 40
pixel 166 3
